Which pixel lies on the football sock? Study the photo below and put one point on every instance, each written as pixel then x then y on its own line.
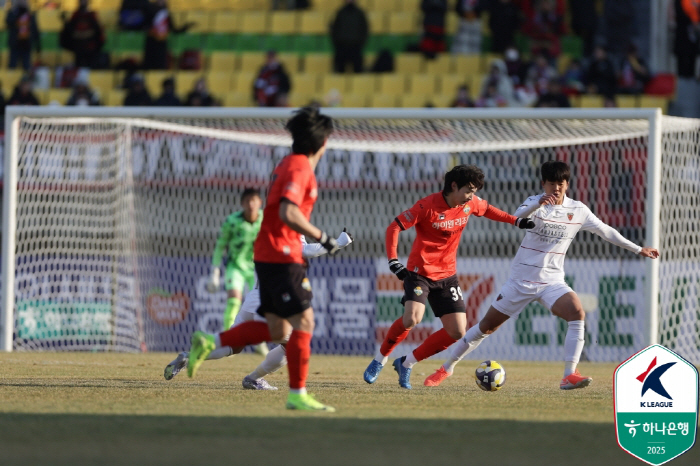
pixel 274 361
pixel 396 334
pixel 573 345
pixel 298 354
pixel 380 358
pixel 219 353
pixel 436 342
pixel 247 333
pixel 464 346
pixel 298 391
pixel 232 307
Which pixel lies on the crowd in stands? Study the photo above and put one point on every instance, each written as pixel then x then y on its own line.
pixel 610 63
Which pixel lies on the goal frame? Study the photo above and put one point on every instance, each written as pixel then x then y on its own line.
pixel 12 113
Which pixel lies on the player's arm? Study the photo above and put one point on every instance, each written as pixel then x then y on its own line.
pixel 404 221
pixel 484 209
pixel 608 233
pixel 316 249
pixel 292 217
pixel 221 242
pixel 533 203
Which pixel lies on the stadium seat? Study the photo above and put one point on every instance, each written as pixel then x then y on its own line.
pixel 385 5
pixel 115 98
pixel 55 95
pixel 591 101
pixel 185 80
pixel 334 81
pixel 243 82
pixel 626 101
pixel 408 63
pixel 313 22
pixel 202 21
pixel 414 100
pixel 382 101
pixel 486 60
pixel 226 21
pixel 378 23
pixel 451 22
pixel 253 22
pixel 306 81
pixel 251 61
pixel 442 64
pixel 475 86
pixel 391 84
pixel 49 58
pixel 422 84
pixel 106 4
pixel 219 83
pixel 154 81
pixel 3 12
pixel 354 100
pixel 300 99
pixel 283 22
pixel 238 99
pixel 649 101
pixel 318 63
pixel 466 64
pixel 403 22
pixel 442 100
pixel 222 61
pixel 109 19
pixel 363 84
pixel 563 62
pixel 103 80
pixel 49 20
pixel 413 5
pixel 9 79
pixel 291 62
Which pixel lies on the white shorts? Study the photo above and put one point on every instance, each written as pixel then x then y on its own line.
pixel 248 311
pixel 515 295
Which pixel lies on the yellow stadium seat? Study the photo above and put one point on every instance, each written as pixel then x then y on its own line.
pixel 65 57
pixel 414 5
pixel 56 95
pixel 243 82
pixel 422 84
pixel 219 83
pixel 222 61
pixel 563 62
pixel 49 58
pixel 9 79
pixel 626 101
pixel 392 84
pixel 442 100
pixel 300 99
pixel 70 5
pixel 306 81
pixel 313 22
pixel 338 82
pixel 402 22
pixel 109 19
pixel 486 60
pixel 185 81
pixel 384 5
pixel 319 63
pixel 451 22
pixel 49 20
pixel 591 101
pixel 103 80
pixel 378 23
pixel 251 61
pixel 448 83
pixel 253 22
pixel 115 98
pixel 477 81
pixel 442 64
pixel 327 6
pixel 649 101
pixel 363 84
pixel 238 99
pixel 290 61
pixel 354 100
pixel 409 63
pixel 283 22
pixel 99 5
pixel 154 81
pixel 226 21
pixel 414 100
pixel 382 100
pixel 202 21
pixel 221 5
pixel 467 64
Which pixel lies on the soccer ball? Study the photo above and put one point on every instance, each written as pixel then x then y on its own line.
pixel 490 376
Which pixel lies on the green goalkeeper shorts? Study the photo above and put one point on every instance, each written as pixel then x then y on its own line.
pixel 236 279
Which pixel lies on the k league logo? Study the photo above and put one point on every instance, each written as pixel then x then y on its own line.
pixel 655 395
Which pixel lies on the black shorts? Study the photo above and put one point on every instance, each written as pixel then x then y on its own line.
pixel 284 289
pixel 444 296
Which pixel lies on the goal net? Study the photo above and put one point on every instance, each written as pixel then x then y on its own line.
pixel 115 217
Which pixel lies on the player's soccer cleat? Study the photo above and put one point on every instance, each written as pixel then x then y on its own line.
pixel 437 378
pixel 260 384
pixel 176 365
pixel 202 345
pixel 372 371
pixel 404 373
pixel 261 349
pixel 307 403
pixel 575 380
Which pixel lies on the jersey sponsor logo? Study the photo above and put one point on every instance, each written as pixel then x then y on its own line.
pixel 306 284
pixel 570 215
pixel 467 209
pixel 449 224
pixel 441 217
pixel 408 216
pixel 418 291
pixel 291 187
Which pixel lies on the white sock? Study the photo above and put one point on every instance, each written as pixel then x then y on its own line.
pixel 380 358
pixel 464 346
pixel 275 360
pixel 301 391
pixel 573 345
pixel 217 340
pixel 410 360
pixel 219 353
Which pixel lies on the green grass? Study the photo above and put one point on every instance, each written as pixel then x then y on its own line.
pixel 89 408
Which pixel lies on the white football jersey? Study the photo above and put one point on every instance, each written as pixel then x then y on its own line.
pixel 540 258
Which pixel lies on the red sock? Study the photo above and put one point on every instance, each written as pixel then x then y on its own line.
pixel 298 354
pixel 247 333
pixel 438 341
pixel 396 334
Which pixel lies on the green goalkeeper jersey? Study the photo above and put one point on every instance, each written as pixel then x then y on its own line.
pixel 236 238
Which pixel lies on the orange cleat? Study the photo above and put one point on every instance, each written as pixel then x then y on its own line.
pixel 575 380
pixel 437 378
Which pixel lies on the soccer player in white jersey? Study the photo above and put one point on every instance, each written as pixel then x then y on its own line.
pixel 537 273
pixel 275 359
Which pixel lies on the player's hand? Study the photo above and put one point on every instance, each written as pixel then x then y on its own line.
pixel 548 199
pixel 651 253
pixel 213 283
pixel 345 238
pixel 525 224
pixel 330 244
pixel 398 269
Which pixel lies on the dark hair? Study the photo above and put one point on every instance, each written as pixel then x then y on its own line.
pixel 250 192
pixel 555 171
pixel 309 129
pixel 463 175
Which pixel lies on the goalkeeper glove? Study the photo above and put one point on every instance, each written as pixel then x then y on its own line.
pixel 525 224
pixel 330 244
pixel 398 269
pixel 345 238
pixel 213 283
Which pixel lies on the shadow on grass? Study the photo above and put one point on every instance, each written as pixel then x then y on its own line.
pixel 305 439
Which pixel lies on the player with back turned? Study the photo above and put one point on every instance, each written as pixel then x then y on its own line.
pixel 431 272
pixel 285 292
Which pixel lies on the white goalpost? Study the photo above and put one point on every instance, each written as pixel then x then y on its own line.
pixel 110 216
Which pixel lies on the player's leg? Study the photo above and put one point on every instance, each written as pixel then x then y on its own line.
pixel 234 282
pixel 274 361
pixel 568 307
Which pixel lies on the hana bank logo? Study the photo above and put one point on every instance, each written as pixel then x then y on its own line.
pixel 651 379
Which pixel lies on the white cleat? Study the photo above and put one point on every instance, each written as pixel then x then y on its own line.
pixel 176 365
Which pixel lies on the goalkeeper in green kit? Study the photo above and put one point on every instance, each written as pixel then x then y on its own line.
pixel 237 236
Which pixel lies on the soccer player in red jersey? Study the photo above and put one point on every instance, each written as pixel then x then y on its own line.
pixel 431 274
pixel 285 291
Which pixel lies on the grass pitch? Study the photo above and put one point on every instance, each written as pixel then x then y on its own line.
pixel 89 408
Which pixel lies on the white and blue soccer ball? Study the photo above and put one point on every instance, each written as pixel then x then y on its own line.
pixel 490 376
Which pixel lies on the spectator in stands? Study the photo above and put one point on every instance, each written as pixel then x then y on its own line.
pixel 23 94
pixel 545 25
pixel 504 19
pixel 82 95
pixel 132 14
pixel 349 32
pixel 498 78
pixel 634 73
pixel 619 26
pixel 517 70
pixel 686 40
pixel 467 40
pixel 600 76
pixel 584 23
pixel 168 97
pixel 22 34
pixel 540 74
pixel 574 77
pixel 433 40
pixel 159 25
pixel 463 100
pixel 609 101
pixel 137 95
pixel 491 98
pixel 199 96
pixel 83 35
pixel 554 96
pixel 272 85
